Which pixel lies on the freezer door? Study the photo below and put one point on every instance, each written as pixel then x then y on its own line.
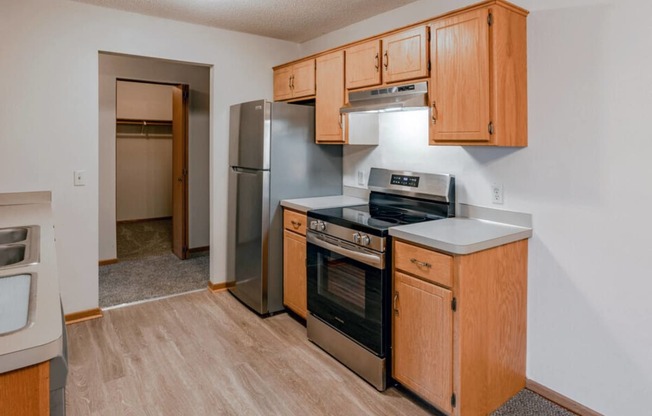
pixel 249 135
pixel 248 232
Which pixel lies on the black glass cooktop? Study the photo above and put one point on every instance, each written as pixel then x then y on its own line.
pixel 373 219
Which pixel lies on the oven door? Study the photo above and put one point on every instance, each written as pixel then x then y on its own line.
pixel 347 286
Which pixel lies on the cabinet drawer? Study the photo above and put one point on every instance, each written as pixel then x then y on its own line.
pixel 424 263
pixel 294 221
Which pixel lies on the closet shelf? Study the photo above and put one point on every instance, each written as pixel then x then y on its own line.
pixel 143 129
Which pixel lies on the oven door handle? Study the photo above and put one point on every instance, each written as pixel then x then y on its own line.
pixel 372 260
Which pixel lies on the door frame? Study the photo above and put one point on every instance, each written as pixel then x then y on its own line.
pixel 182 154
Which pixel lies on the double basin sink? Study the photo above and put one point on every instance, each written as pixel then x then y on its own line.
pixel 19 248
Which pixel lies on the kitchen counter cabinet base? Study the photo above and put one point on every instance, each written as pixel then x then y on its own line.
pixel 295 290
pixel 489 328
pixel 26 392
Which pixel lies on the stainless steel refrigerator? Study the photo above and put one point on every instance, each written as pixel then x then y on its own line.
pixel 272 156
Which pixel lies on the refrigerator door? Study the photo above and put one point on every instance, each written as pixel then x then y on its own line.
pixel 249 135
pixel 248 235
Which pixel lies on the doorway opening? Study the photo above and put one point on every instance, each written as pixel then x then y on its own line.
pixel 154 218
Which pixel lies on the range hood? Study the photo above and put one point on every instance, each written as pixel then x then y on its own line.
pixel 396 98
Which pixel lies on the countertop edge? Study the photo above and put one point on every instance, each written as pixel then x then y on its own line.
pixel 462 249
pixel 32 356
pixel 334 201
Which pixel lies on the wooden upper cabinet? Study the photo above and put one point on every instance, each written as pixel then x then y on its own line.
pixel 405 55
pixel 295 81
pixel 363 65
pixel 303 81
pixel 478 84
pixel 329 98
pixel 283 83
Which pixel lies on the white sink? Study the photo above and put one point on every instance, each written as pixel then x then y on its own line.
pixel 14 302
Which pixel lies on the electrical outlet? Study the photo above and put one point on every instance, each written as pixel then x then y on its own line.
pixel 80 178
pixel 497 193
pixel 361 178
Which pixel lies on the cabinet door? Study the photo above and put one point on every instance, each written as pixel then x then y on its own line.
pixel 282 83
pixel 363 65
pixel 405 55
pixel 295 292
pixel 422 341
pixel 329 98
pixel 459 86
pixel 303 79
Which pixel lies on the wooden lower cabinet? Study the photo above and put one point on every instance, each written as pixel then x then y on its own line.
pixel 295 290
pixel 460 343
pixel 26 391
pixel 423 333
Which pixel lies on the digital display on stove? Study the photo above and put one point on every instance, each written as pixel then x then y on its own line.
pixel 403 180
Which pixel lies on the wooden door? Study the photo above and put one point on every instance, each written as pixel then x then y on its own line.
pixel 423 339
pixel 459 86
pixel 363 65
pixel 282 83
pixel 405 55
pixel 295 291
pixel 180 171
pixel 329 98
pixel 303 79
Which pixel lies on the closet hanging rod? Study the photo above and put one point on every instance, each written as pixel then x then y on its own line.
pixel 144 122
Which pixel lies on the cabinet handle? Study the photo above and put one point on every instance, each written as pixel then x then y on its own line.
pixel 295 224
pixel 395 303
pixel 343 126
pixel 386 63
pixel 377 65
pixel 420 263
pixel 434 112
pixel 292 82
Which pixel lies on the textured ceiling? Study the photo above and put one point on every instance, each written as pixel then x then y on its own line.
pixel 293 20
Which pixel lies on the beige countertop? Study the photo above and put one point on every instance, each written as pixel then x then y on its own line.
pixel 477 229
pixel 41 340
pixel 335 201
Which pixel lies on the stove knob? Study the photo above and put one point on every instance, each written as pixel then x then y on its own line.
pixel 313 225
pixel 356 238
pixel 365 240
pixel 321 226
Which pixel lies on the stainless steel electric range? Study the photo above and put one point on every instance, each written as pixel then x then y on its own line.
pixel 349 266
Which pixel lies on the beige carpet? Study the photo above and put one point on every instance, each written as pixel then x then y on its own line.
pixel 147 268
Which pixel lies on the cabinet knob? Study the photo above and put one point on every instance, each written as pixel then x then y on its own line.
pixel 295 224
pixel 395 303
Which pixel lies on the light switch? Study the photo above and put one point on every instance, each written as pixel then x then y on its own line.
pixel 80 178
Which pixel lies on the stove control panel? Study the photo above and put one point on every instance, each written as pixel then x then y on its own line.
pixel 362 239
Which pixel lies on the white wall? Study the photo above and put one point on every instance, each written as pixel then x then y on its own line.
pixel 144 164
pixel 49 112
pixel 585 177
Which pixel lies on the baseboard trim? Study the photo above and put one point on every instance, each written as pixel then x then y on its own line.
pixel 81 316
pixel 143 220
pixel 199 249
pixel 219 287
pixel 560 399
pixel 107 262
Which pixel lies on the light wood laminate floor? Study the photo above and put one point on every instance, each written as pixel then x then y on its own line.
pixel 206 354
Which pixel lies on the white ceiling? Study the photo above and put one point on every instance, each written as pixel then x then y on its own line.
pixel 293 20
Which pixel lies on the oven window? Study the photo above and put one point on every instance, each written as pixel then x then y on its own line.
pixel 342 283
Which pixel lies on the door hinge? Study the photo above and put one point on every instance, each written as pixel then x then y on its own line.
pixel 454 304
pixel 186 93
pixel 490 19
pixel 491 127
pixel 453 400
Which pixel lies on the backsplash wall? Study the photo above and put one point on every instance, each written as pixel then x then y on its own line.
pixel 403 145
